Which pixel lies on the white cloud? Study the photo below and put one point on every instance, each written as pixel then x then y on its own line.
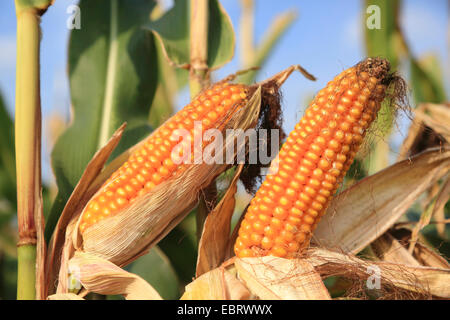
pixel 7 53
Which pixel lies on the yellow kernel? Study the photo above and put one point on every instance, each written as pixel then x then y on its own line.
pixel 278 251
pixel 256 239
pixel 296 212
pixel 280 213
pixel 266 243
pixel 324 164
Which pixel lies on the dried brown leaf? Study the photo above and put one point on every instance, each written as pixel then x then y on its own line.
pixel 421 280
pixel 429 257
pixel 428 129
pixel 439 206
pixel 387 248
pixel 273 278
pixel 414 134
pixel 437 117
pixel 363 212
pixel 234 235
pixel 216 231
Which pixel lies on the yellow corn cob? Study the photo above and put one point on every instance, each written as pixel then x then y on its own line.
pixel 312 162
pixel 151 164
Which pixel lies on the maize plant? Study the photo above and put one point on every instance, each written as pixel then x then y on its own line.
pixel 152 203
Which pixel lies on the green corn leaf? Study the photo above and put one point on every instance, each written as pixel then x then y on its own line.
pixel 156 269
pixel 173 28
pixel 112 72
pixel 7 158
pixel 382 40
pixel 180 246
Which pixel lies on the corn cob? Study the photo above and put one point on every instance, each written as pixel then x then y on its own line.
pixel 312 163
pixel 151 164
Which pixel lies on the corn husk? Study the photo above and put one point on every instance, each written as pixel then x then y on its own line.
pixel 390 249
pixel 430 258
pixel 64 296
pixel 424 281
pixel 216 231
pixel 434 116
pixel 101 276
pixel 273 278
pixel 60 243
pixel 217 284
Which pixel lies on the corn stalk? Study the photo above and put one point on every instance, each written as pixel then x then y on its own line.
pixel 199 78
pixel 28 146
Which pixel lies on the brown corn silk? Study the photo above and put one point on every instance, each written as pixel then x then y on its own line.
pixel 312 163
pixel 152 163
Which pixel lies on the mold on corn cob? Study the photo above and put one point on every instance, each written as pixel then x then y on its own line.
pixel 313 162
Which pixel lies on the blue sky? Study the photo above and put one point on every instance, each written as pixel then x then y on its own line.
pixel 326 38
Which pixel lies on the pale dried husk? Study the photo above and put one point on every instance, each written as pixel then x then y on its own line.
pixel 273 278
pixel 64 296
pixel 429 257
pixel 217 284
pixel 423 281
pixel 389 249
pixel 434 116
pixel 104 277
pixel 133 231
pixel 61 247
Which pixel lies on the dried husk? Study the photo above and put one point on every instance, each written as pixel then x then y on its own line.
pixel 437 117
pixel 273 278
pixel 420 281
pixel 429 257
pixel 80 196
pixel 363 212
pixel 429 128
pixel 216 231
pixel 133 231
pixel 423 253
pixel 104 277
pixel 217 284
pixel 389 249
pixel 64 296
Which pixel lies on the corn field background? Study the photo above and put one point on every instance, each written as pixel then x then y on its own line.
pixel 103 63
